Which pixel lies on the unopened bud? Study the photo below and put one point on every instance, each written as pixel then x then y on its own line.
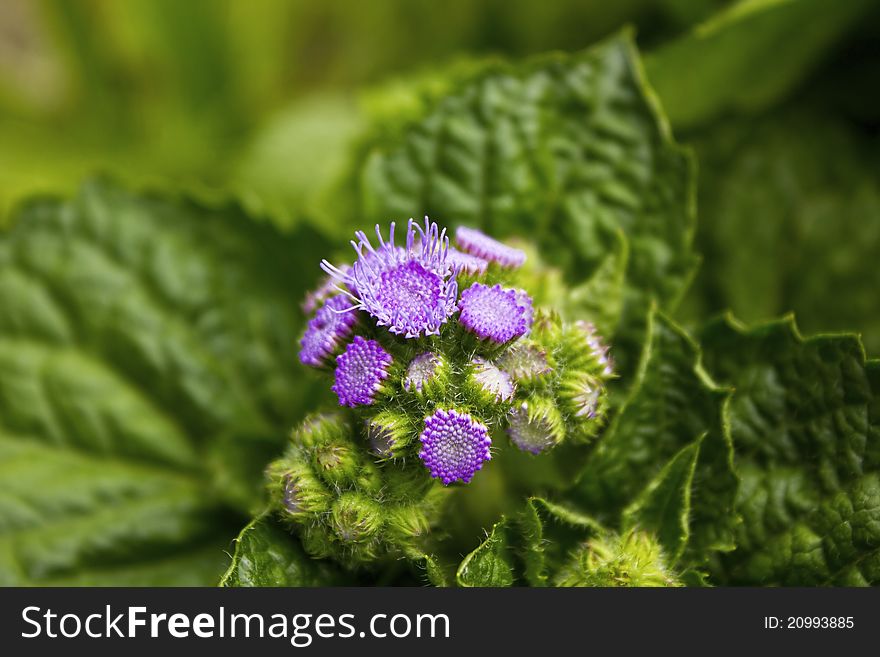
pixel 356 518
pixel 535 425
pixel 389 433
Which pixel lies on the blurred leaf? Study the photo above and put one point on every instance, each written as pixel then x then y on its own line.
pixel 791 222
pixel 267 555
pixel 490 563
pixel 805 419
pixel 147 374
pixel 673 404
pixel 563 150
pixel 747 57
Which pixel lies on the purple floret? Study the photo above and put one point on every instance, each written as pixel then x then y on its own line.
pixel 496 314
pixel 481 245
pixel 410 290
pixel 360 371
pixel 454 446
pixel 327 330
pixel 467 263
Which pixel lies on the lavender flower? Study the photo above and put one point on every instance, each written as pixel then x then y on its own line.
pixel 410 290
pixel 422 369
pixel 491 380
pixel 481 245
pixel 496 314
pixel 329 328
pixel 467 263
pixel 454 446
pixel 535 426
pixel 360 371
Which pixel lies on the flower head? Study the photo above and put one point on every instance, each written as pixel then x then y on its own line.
pixel 494 313
pixel 491 380
pixel 585 395
pixel 454 446
pixel 481 245
pixel 360 371
pixel 535 426
pixel 411 290
pixel 329 328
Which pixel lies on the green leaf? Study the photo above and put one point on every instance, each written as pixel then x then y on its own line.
pixel 147 374
pixel 804 420
pixel 599 299
pixel 489 564
pixel 673 404
pixel 804 187
pixel 747 57
pixel 562 150
pixel 434 571
pixel 549 532
pixel 268 555
pixel 664 506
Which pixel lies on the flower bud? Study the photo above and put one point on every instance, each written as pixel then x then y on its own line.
pixel 535 425
pixel 427 375
pixel 525 362
pixel 298 492
pixel 582 348
pixel 633 559
pixel 355 518
pixel 321 428
pixel 389 433
pixel 337 463
pixel 488 383
pixel 405 524
pixel 585 400
pixel 316 541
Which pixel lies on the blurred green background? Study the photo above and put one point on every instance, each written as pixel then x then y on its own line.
pixel 264 100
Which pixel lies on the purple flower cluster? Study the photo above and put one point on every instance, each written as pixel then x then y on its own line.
pixel 494 313
pixel 410 290
pixel 454 446
pixel 326 331
pixel 360 371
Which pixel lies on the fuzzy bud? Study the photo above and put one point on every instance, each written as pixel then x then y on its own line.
pixel 389 433
pixel 336 463
pixel 356 519
pixel 535 425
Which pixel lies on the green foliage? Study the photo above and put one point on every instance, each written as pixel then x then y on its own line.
pixel 805 423
pixel 145 380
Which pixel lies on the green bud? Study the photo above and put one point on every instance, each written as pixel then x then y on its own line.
pixel 526 362
pixel 298 492
pixel 356 519
pixel 317 541
pixel 581 348
pixel 584 398
pixel 405 524
pixel 337 463
pixel 535 425
pixel 389 433
pixel 322 428
pixel 632 559
pixel 486 384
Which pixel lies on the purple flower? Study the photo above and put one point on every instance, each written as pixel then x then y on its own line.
pixel 495 314
pixel 329 328
pixel 598 349
pixel 492 380
pixel 410 290
pixel 454 446
pixel 421 370
pixel 481 245
pixel 360 371
pixel 535 426
pixel 326 289
pixel 469 264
